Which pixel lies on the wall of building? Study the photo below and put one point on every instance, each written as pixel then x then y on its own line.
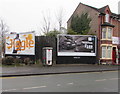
pixel 96 28
pixel 116 28
pixel 93 14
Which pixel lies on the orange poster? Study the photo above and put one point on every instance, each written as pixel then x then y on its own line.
pixel 20 44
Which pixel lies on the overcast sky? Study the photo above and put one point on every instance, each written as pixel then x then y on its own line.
pixel 27 15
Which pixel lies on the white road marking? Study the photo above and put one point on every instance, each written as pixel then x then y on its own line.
pixel 9 90
pixel 107 79
pixel 58 84
pixel 114 79
pixel 101 80
pixel 84 73
pixel 64 74
pixel 35 87
pixel 24 88
pixel 96 72
pixel 70 83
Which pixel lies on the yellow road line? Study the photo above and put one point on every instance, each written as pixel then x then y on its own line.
pixel 113 71
pixel 7 77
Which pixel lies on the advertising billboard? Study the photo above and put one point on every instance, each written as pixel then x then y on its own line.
pixel 76 45
pixel 115 40
pixel 20 44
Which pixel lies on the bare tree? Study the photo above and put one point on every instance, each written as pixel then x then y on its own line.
pixel 60 18
pixel 3 30
pixel 46 23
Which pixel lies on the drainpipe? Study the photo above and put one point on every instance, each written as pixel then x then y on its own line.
pixel 100 29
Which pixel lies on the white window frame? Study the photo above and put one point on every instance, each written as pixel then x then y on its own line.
pixel 105 30
pixel 108 52
pixel 103 53
pixel 107 18
pixel 109 32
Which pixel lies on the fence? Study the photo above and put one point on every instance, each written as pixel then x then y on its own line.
pixel 45 41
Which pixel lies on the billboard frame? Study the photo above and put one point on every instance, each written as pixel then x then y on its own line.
pixel 59 54
pixel 17 54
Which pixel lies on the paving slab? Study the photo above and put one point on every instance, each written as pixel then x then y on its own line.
pixel 56 69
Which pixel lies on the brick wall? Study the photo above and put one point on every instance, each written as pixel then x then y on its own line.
pixel 93 14
pixel 116 28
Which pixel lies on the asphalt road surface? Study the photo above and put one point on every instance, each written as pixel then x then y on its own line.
pixel 76 82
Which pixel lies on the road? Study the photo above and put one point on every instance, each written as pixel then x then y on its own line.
pixel 76 82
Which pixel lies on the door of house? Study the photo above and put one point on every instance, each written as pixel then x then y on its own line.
pixel 118 56
pixel 114 55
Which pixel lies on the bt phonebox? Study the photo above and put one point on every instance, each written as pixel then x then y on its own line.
pixel 47 56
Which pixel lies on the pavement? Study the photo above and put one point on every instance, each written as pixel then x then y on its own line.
pixel 55 69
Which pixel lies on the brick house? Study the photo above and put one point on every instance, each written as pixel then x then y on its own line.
pixel 106 26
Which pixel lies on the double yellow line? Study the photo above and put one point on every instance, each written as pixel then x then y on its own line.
pixel 7 77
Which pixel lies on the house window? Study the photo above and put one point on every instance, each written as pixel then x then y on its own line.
pixel 107 18
pixel 103 33
pixel 109 51
pixel 107 33
pixel 106 52
pixel 103 52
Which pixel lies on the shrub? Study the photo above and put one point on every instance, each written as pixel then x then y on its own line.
pixel 3 61
pixel 27 61
pixel 9 60
pixel 0 61
pixel 17 61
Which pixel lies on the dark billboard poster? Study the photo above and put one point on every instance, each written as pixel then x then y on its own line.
pixel 76 45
